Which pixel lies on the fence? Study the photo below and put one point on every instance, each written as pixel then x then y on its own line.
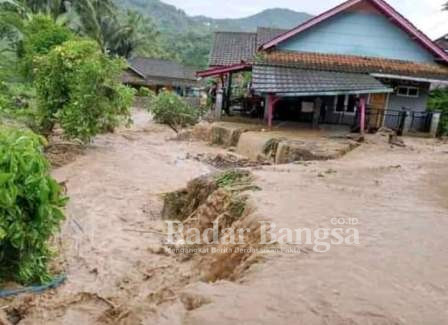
pixel 397 120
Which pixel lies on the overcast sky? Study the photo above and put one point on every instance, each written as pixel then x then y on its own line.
pixel 425 14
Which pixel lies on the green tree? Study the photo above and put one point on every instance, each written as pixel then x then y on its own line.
pixel 80 88
pixel 136 35
pixel 438 101
pixel 170 109
pixel 41 35
pixel 116 33
pixel 31 205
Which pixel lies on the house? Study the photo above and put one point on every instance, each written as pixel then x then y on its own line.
pixel 157 74
pixel 443 42
pixel 361 64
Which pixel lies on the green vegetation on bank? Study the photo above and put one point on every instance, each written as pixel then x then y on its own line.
pixel 438 101
pixel 31 205
pixel 55 70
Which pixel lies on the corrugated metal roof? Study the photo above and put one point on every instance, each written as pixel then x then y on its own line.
pixel 300 82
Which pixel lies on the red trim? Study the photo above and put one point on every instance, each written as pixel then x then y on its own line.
pixel 384 7
pixel 215 71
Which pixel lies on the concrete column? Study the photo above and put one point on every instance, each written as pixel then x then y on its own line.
pixel 266 107
pixel 270 110
pixel 435 124
pixel 219 103
pixel 407 122
pixel 228 94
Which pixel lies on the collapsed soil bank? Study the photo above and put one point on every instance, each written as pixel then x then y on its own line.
pixel 279 146
pixel 218 201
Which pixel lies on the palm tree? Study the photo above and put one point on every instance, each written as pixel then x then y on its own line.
pixel 134 33
pixel 96 18
pixel 116 34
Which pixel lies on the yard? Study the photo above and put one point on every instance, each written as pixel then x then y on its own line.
pixel 119 273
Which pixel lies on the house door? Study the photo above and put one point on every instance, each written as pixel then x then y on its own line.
pixel 377 110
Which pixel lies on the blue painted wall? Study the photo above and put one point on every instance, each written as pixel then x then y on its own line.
pixel 359 33
pixel 418 104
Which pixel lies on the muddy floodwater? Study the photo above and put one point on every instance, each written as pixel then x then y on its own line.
pixel 118 272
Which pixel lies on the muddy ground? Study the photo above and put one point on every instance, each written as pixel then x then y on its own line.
pixel 119 274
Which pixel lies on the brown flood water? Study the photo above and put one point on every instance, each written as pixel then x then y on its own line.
pixel 118 275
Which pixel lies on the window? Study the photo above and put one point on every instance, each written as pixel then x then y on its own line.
pixel 345 104
pixel 405 91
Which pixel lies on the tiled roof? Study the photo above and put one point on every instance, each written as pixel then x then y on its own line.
pixel 285 80
pixel 355 64
pixel 265 34
pixel 233 48
pixel 236 47
pixel 155 68
pixel 443 42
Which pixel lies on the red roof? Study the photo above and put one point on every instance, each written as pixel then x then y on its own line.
pixel 384 8
pixel 216 71
pixel 353 64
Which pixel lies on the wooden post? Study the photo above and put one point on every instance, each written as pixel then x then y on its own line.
pixel 362 122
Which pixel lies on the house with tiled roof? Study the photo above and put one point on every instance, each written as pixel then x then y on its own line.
pixel 443 42
pixel 157 74
pixel 360 63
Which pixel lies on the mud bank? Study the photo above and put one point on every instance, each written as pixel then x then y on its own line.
pixel 218 201
pixel 279 147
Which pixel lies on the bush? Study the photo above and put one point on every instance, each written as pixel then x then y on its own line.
pixel 438 101
pixel 80 88
pixel 17 104
pixel 145 92
pixel 30 207
pixel 170 109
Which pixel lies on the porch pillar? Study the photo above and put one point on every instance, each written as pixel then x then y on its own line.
pixel 362 122
pixel 271 101
pixel 228 93
pixel 317 110
pixel 408 118
pixel 435 124
pixel 219 103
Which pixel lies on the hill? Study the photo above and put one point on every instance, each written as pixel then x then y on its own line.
pixel 189 38
pixel 278 18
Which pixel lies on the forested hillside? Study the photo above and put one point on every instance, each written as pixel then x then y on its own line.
pixel 188 39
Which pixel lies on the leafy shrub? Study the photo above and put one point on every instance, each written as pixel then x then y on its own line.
pixel 41 34
pixel 145 92
pixel 170 109
pixel 17 103
pixel 80 88
pixel 438 101
pixel 30 207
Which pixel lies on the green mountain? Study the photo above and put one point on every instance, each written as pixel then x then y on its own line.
pixel 278 18
pixel 189 39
